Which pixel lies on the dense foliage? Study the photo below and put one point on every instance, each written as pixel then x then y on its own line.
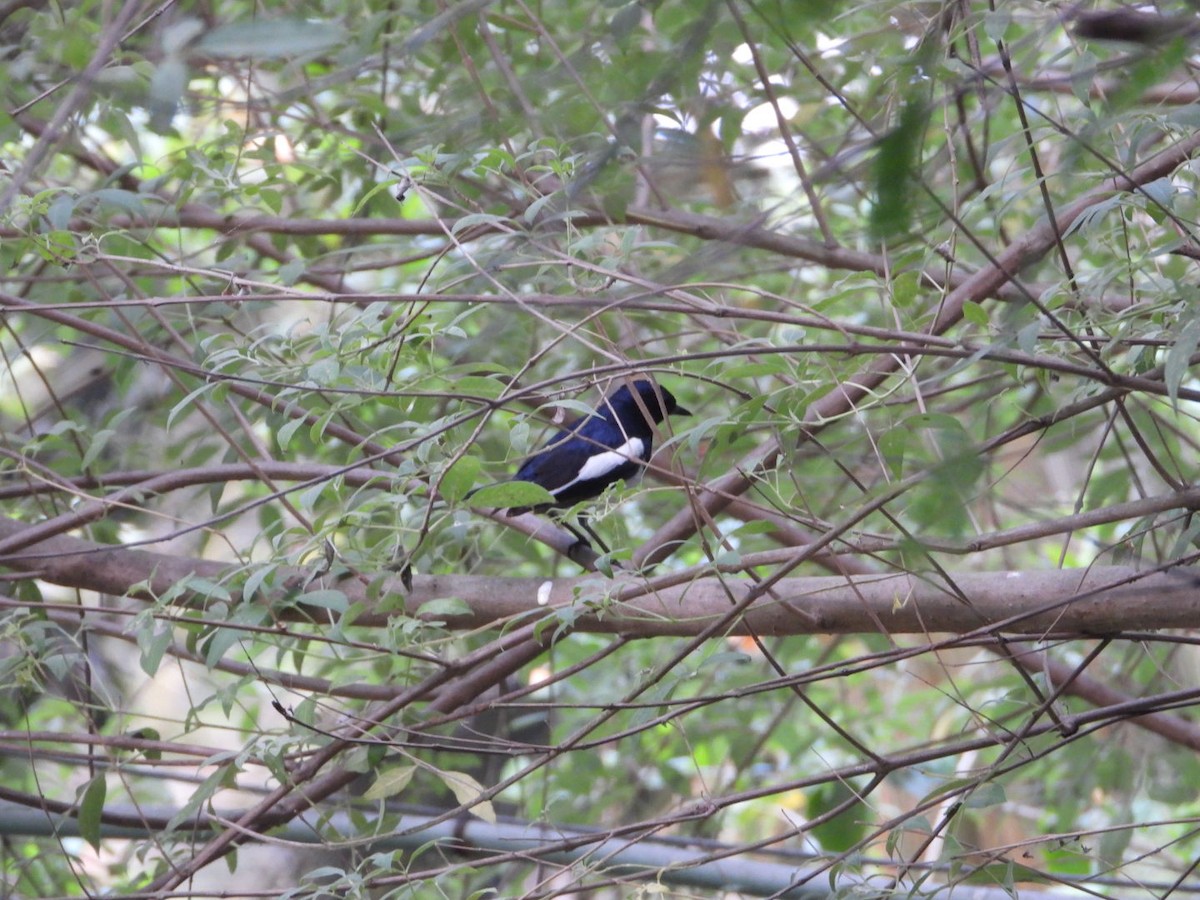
pixel 904 605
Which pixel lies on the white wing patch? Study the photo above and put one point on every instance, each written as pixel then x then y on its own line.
pixel 602 463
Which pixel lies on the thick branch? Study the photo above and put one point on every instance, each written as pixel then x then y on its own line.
pixel 1095 601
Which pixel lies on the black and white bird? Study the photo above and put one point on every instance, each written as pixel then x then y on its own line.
pixel 609 445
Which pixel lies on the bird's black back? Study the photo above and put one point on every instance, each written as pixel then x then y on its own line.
pixel 579 461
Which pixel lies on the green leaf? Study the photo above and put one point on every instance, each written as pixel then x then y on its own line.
pixel 996 23
pixel 357 759
pixel 661 692
pixel 286 431
pixel 120 199
pixel 1089 220
pixel 187 401
pixel 479 386
pixel 905 289
pixel 167 87
pixel 443 607
pixel 146 733
pixel 255 581
pixel 845 829
pixel 893 447
pixel 91 810
pixel 290 272
pixel 60 211
pixel 327 598
pixel 458 480
pixel 390 783
pixel 772 365
pixel 1161 192
pixel 270 38
pixel 1003 874
pixel 1148 69
pixel 99 441
pixel 895 173
pixel 369 195
pixel 178 35
pixel 508 494
pixel 223 638
pixel 467 791
pixel 1066 859
pixel 987 794
pixel 975 314
pixel 153 641
pixel 473 219
pixel 1175 369
pixel 207 588
pixel 938 446
pixel 224 776
pixel 725 658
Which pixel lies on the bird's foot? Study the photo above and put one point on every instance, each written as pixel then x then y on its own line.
pixel 584 555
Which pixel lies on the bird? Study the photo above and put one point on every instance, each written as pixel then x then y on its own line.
pixel 610 444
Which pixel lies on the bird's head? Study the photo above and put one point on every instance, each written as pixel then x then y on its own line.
pixel 658 401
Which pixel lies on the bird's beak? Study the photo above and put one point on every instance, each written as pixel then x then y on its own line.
pixel 680 411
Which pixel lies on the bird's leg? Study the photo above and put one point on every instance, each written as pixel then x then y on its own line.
pixel 584 533
pixel 581 539
pixel 585 522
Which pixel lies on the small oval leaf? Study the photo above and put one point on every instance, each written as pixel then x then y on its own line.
pixel 91 810
pixel 467 790
pixel 390 783
pixel 509 494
